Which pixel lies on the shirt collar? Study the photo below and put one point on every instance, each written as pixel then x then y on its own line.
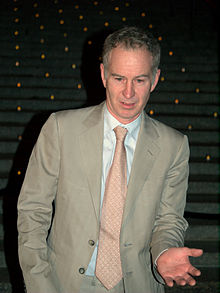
pixel 111 122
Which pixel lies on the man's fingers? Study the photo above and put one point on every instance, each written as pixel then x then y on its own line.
pixel 169 281
pixel 189 280
pixel 180 281
pixel 195 252
pixel 194 272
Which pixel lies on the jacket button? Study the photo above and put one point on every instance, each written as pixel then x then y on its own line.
pixel 91 242
pixel 81 271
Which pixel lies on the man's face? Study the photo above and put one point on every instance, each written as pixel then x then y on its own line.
pixel 128 82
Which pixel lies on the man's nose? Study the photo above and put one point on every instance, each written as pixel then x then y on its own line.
pixel 128 91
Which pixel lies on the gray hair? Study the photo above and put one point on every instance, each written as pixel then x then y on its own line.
pixel 132 38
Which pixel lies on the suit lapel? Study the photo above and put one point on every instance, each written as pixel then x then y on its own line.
pixel 91 144
pixel 145 155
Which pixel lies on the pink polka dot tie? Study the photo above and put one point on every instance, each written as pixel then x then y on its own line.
pixel 108 264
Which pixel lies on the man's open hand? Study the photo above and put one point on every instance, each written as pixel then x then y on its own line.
pixel 174 266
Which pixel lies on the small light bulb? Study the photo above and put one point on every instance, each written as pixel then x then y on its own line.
pixel 208 157
pixel 176 101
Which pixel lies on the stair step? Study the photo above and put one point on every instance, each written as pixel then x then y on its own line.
pixel 46 92
pixel 206 168
pixel 211 208
pixel 183 122
pixel 207 246
pixel 184 97
pixel 202 286
pixel 196 233
pixel 211 137
pixel 204 198
pixel 187 86
pixel 203 187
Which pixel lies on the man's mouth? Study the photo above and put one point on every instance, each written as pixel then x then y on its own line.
pixel 128 104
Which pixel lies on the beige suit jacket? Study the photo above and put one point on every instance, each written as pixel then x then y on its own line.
pixel 61 194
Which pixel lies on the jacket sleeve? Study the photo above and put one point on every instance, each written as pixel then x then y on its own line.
pixel 170 225
pixel 35 209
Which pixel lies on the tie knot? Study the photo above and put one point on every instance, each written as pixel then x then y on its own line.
pixel 120 133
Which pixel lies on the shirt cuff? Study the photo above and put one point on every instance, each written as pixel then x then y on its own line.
pixel 160 255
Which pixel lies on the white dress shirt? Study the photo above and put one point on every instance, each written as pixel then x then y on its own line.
pixel 109 143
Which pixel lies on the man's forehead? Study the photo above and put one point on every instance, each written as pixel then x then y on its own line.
pixel 120 56
pixel 119 52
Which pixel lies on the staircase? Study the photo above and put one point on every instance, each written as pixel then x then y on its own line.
pixel 50 53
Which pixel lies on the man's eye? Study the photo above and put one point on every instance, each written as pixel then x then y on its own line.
pixel 118 78
pixel 140 80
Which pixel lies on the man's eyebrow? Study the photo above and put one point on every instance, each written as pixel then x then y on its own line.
pixel 118 75
pixel 142 75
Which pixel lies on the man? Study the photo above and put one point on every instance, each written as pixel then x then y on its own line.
pixel 63 203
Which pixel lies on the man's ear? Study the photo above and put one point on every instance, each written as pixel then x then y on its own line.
pixel 102 69
pixel 156 79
